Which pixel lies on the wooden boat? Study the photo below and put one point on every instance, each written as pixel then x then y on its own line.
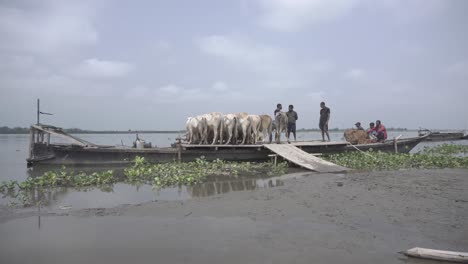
pixel 81 152
pixel 441 136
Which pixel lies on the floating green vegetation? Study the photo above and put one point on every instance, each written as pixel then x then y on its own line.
pixel 446 149
pixel 188 173
pixel 141 172
pixel 390 161
pixel 59 178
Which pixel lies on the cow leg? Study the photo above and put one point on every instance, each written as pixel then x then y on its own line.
pixel 190 133
pixel 221 133
pixel 229 137
pixel 215 137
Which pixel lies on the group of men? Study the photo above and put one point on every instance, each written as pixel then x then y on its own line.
pixel 292 118
pixel 376 131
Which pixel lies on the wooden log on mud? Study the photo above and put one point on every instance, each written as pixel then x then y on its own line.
pixel 426 253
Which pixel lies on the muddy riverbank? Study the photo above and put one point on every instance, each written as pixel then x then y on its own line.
pixel 359 217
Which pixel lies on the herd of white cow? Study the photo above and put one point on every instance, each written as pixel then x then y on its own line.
pixel 241 128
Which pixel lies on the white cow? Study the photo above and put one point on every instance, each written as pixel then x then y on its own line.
pixel 214 123
pixel 197 130
pixel 229 128
pixel 243 126
pixel 255 122
pixel 266 127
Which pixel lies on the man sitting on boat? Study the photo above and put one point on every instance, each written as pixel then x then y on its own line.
pixel 358 126
pixel 381 131
pixel 371 131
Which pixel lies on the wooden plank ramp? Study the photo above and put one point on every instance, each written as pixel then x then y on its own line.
pixel 304 159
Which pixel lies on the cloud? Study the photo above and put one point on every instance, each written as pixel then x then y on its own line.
pixel 47 26
pixel 355 74
pixel 321 66
pixel 316 96
pixel 404 11
pixel 220 87
pixel 244 53
pixel 170 89
pixel 95 68
pixel 459 69
pixel 294 15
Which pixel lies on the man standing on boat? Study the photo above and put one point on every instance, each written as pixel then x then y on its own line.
pixel 381 131
pixel 324 118
pixel 279 107
pixel 292 117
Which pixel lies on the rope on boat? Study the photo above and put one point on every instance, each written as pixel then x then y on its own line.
pixel 363 151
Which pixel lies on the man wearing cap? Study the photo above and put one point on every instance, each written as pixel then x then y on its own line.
pixel 358 126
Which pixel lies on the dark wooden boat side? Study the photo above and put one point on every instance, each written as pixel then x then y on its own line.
pixel 441 136
pixel 85 153
pixel 403 145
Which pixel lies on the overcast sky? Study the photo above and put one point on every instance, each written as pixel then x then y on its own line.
pixel 151 64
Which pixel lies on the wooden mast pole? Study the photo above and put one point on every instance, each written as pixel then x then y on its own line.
pixel 38 111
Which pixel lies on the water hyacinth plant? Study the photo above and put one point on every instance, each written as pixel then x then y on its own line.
pixel 446 149
pixel 391 161
pixel 62 178
pixel 188 173
pixel 141 172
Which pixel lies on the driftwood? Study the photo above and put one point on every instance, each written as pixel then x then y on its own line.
pixel 426 253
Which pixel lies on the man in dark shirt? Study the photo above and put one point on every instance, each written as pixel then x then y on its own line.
pixel 358 126
pixel 324 118
pixel 292 117
pixel 278 109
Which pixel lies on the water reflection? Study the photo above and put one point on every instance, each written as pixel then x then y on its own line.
pixel 62 198
pixel 225 186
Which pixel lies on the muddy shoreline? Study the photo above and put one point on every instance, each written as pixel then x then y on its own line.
pixel 313 218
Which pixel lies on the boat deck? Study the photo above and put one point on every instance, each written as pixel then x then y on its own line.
pixel 261 145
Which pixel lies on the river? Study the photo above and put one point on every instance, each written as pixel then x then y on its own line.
pixel 14 151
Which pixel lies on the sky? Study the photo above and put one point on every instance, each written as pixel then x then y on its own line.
pixel 148 65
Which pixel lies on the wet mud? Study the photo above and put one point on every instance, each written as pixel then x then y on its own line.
pixel 359 217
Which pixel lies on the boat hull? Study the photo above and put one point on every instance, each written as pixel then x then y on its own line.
pixel 77 155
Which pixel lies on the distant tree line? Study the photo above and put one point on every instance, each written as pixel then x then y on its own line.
pixel 14 130
pixel 24 130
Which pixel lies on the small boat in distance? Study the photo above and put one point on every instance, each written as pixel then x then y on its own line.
pixel 441 136
pixel 81 152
